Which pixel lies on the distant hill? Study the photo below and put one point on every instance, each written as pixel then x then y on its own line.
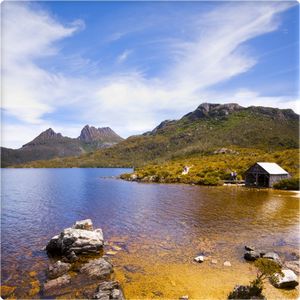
pixel 50 144
pixel 209 127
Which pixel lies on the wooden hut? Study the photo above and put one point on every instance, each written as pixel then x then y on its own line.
pixel 264 174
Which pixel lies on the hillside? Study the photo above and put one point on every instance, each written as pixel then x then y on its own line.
pixel 209 127
pixel 49 145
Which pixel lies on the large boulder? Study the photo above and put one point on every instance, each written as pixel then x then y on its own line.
pixel 109 290
pixel 58 269
pixel 287 280
pixel 55 283
pixel 77 240
pixel 97 268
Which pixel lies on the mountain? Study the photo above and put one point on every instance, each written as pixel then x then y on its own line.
pixel 50 144
pixel 209 127
pixel 105 135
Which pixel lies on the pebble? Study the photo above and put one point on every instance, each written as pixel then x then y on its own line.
pixel 214 261
pixel 111 252
pixel 227 264
pixel 186 297
pixel 199 259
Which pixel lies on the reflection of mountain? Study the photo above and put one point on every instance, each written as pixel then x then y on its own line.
pixel 50 144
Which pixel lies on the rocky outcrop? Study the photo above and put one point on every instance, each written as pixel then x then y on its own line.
pixel 287 280
pixel 109 290
pixel 207 110
pixel 77 240
pixel 71 245
pixel 97 268
pixel 91 134
pixel 58 269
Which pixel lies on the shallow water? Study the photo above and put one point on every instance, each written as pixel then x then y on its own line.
pixel 153 230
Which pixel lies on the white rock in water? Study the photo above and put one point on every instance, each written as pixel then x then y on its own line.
pixel 227 264
pixel 77 240
pixel 286 281
pixel 199 259
pixel 84 224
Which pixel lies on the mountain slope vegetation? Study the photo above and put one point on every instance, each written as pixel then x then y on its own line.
pixel 209 127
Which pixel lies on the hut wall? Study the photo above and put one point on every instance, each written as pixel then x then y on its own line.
pixel 276 178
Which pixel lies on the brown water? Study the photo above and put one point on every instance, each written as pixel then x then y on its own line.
pixel 154 231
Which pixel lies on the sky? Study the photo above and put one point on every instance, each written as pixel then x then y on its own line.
pixel 131 65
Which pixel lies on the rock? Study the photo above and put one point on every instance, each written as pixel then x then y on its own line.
pixel 214 261
pixel 185 297
pixel 272 255
pixel 55 283
pixel 6 290
pixel 80 241
pixel 58 269
pixel 116 248
pixel 97 268
pixel 111 252
pixel 109 290
pixel 227 264
pixel 71 257
pixel 293 265
pixel 199 259
pixel 288 280
pixel 133 269
pixel 249 248
pixel 246 292
pixel 84 224
pixel 252 255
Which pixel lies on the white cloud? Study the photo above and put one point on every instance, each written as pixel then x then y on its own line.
pixel 131 102
pixel 123 56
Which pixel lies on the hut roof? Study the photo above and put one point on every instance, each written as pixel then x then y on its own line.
pixel 272 168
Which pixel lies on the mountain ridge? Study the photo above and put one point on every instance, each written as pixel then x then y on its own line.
pixel 208 127
pixel 49 144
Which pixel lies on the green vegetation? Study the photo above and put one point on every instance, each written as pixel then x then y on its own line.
pixel 213 169
pixel 257 133
pixel 266 268
pixel 288 184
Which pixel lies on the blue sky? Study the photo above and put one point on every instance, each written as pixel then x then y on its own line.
pixel 131 65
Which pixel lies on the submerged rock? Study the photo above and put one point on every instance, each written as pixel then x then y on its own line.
pixel 109 290
pixel 58 269
pixel 77 240
pixel 293 265
pixel 55 283
pixel 98 268
pixel 287 280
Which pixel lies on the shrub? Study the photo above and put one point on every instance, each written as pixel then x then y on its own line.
pixel 288 184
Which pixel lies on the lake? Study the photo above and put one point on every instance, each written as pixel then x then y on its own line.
pixel 158 230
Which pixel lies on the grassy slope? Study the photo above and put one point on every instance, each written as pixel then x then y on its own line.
pixel 212 169
pixel 248 128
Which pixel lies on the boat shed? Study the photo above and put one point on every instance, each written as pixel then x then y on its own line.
pixel 264 174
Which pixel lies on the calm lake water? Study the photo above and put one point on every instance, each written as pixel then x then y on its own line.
pixel 153 230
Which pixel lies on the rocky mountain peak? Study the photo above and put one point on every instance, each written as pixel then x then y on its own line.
pixel 206 110
pixel 44 137
pixel 91 134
